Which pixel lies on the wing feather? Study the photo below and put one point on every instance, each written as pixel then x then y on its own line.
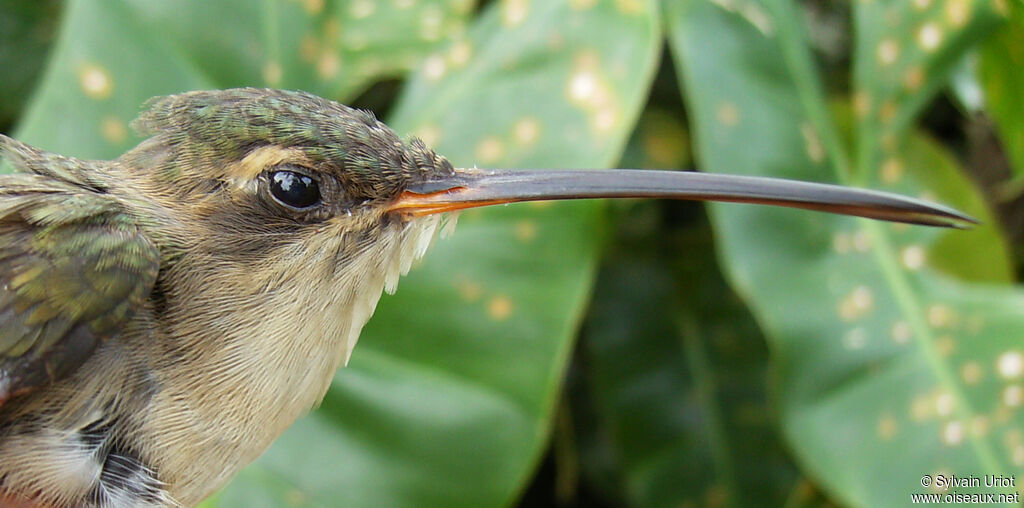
pixel 74 267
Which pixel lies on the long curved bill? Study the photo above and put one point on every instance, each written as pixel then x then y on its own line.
pixel 469 188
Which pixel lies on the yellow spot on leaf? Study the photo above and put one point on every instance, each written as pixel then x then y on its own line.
pixel 922 4
pixel 913 78
pixel 332 28
pixel 604 120
pixel 272 73
pixel 359 9
pixel 460 53
pixel 295 497
pixel 490 150
pixel 631 6
pixel 470 291
pixel 944 404
pixel 526 130
pixel 461 6
pixel 434 67
pixel 431 22
pixel 900 332
pixel 887 111
pixel 861 103
pixel 940 316
pixel 328 65
pixel 113 130
pixel 957 12
pixel 953 433
pixel 921 408
pixel 728 114
pixel 855 339
pixel 1010 365
pixel 888 51
pixel 404 4
pixel 526 230
pixel 857 304
pixel 514 12
pixel 929 36
pixel 582 4
pixel 1018 455
pixel 980 426
pixel 555 42
pixel 583 86
pixel 665 142
pixel 499 308
pixel 1013 395
pixel 888 141
pixel 887 427
pixel 313 6
pixel 309 46
pixel 971 372
pixel 430 134
pixel 95 81
pixel 892 170
pixel 862 241
pixel 841 242
pixel 945 345
pixel 912 257
pixel 812 143
pixel 589 90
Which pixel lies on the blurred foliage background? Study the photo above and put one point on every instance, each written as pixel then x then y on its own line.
pixel 633 353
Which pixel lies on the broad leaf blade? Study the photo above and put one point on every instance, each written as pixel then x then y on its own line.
pixel 26 35
pixel 886 369
pixel 1000 59
pixel 904 52
pixel 678 377
pixel 113 56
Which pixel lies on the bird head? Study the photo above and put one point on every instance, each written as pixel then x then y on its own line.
pixel 273 211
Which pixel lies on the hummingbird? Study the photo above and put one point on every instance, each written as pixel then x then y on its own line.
pixel 164 316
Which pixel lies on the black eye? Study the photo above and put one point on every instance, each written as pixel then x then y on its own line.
pixel 294 189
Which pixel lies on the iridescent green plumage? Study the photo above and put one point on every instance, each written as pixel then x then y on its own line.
pixel 73 268
pixel 207 129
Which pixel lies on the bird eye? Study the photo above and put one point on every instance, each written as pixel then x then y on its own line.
pixel 294 189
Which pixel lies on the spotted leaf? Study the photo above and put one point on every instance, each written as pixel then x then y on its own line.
pixel 1003 99
pixel 890 365
pixel 112 56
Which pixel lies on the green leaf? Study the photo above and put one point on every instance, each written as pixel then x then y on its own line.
pixel 114 55
pixel 919 162
pixel 1001 57
pixel 981 255
pixel 677 371
pixel 26 34
pixel 886 368
pixel 904 52
pixel 448 398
